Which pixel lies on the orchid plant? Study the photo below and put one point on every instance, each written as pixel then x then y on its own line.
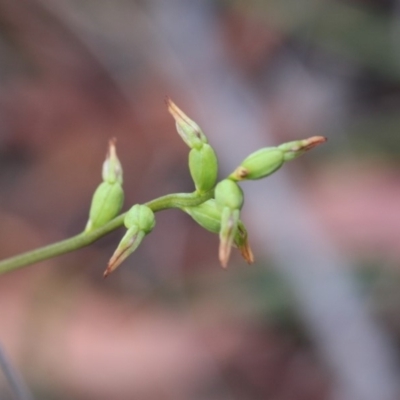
pixel 215 206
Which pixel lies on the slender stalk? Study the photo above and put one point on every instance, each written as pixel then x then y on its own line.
pixel 176 200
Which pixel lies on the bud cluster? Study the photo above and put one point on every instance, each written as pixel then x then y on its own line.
pixel 222 213
pixel 219 214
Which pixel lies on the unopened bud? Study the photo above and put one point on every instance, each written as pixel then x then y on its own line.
pixel 109 196
pixel 189 131
pixel 203 166
pixel 128 244
pixel 229 194
pixel 259 164
pixel 106 204
pixel 266 161
pixel 140 221
pixel 141 216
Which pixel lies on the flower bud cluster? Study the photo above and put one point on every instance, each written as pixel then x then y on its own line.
pixel 222 213
pixel 219 214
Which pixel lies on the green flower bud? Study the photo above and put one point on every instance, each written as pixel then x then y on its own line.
pixel 112 169
pixel 266 161
pixel 229 194
pixel 141 216
pixel 259 164
pixel 203 165
pixel 109 196
pixel 189 131
pixel 139 221
pixel 106 204
pixel 128 244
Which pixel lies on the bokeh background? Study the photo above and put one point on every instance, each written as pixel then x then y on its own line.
pixel 318 315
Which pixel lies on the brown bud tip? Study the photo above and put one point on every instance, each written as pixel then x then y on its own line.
pixel 117 258
pixel 106 273
pixel 239 174
pixel 242 242
pixel 110 268
pixel 312 142
pixel 247 253
pixel 175 111
pixel 111 147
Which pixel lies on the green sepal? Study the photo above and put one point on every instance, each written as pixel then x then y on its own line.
pixel 203 166
pixel 207 215
pixel 140 216
pixel 106 204
pixel 229 194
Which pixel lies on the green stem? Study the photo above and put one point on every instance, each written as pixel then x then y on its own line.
pixel 176 200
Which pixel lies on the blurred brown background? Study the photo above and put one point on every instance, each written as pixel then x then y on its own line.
pixel 317 316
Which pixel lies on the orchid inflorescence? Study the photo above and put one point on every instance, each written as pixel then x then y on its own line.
pixel 217 205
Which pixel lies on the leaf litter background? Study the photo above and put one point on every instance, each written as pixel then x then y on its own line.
pixel 170 324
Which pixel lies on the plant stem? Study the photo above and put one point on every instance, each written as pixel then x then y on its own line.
pixel 176 200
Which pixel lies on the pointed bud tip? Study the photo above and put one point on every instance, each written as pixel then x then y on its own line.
pixel 111 266
pixel 167 100
pixel 116 260
pixel 112 169
pixel 312 142
pixel 242 243
pixel 174 110
pixel 247 253
pixel 112 152
pixel 189 131
pixel 248 256
pixel 106 273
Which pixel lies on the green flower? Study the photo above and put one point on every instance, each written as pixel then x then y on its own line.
pixel 108 198
pixel 139 221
